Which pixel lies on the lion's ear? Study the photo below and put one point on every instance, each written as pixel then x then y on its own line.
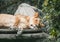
pixel 36 15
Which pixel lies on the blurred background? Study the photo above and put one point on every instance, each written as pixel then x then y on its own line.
pixel 51 10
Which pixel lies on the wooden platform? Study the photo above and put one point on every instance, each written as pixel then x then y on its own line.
pixel 28 33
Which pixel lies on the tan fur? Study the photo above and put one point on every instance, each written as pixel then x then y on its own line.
pixel 36 21
pixel 13 21
pixel 25 20
pixel 4 19
pixel 17 20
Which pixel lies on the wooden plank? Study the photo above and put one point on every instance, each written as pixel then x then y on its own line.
pixel 7 36
pixel 23 36
pixel 27 33
pixel 8 31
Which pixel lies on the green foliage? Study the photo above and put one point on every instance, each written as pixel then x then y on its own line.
pixel 52 10
pixel 53 32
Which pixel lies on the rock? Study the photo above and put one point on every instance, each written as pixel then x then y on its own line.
pixel 28 10
pixel 25 9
